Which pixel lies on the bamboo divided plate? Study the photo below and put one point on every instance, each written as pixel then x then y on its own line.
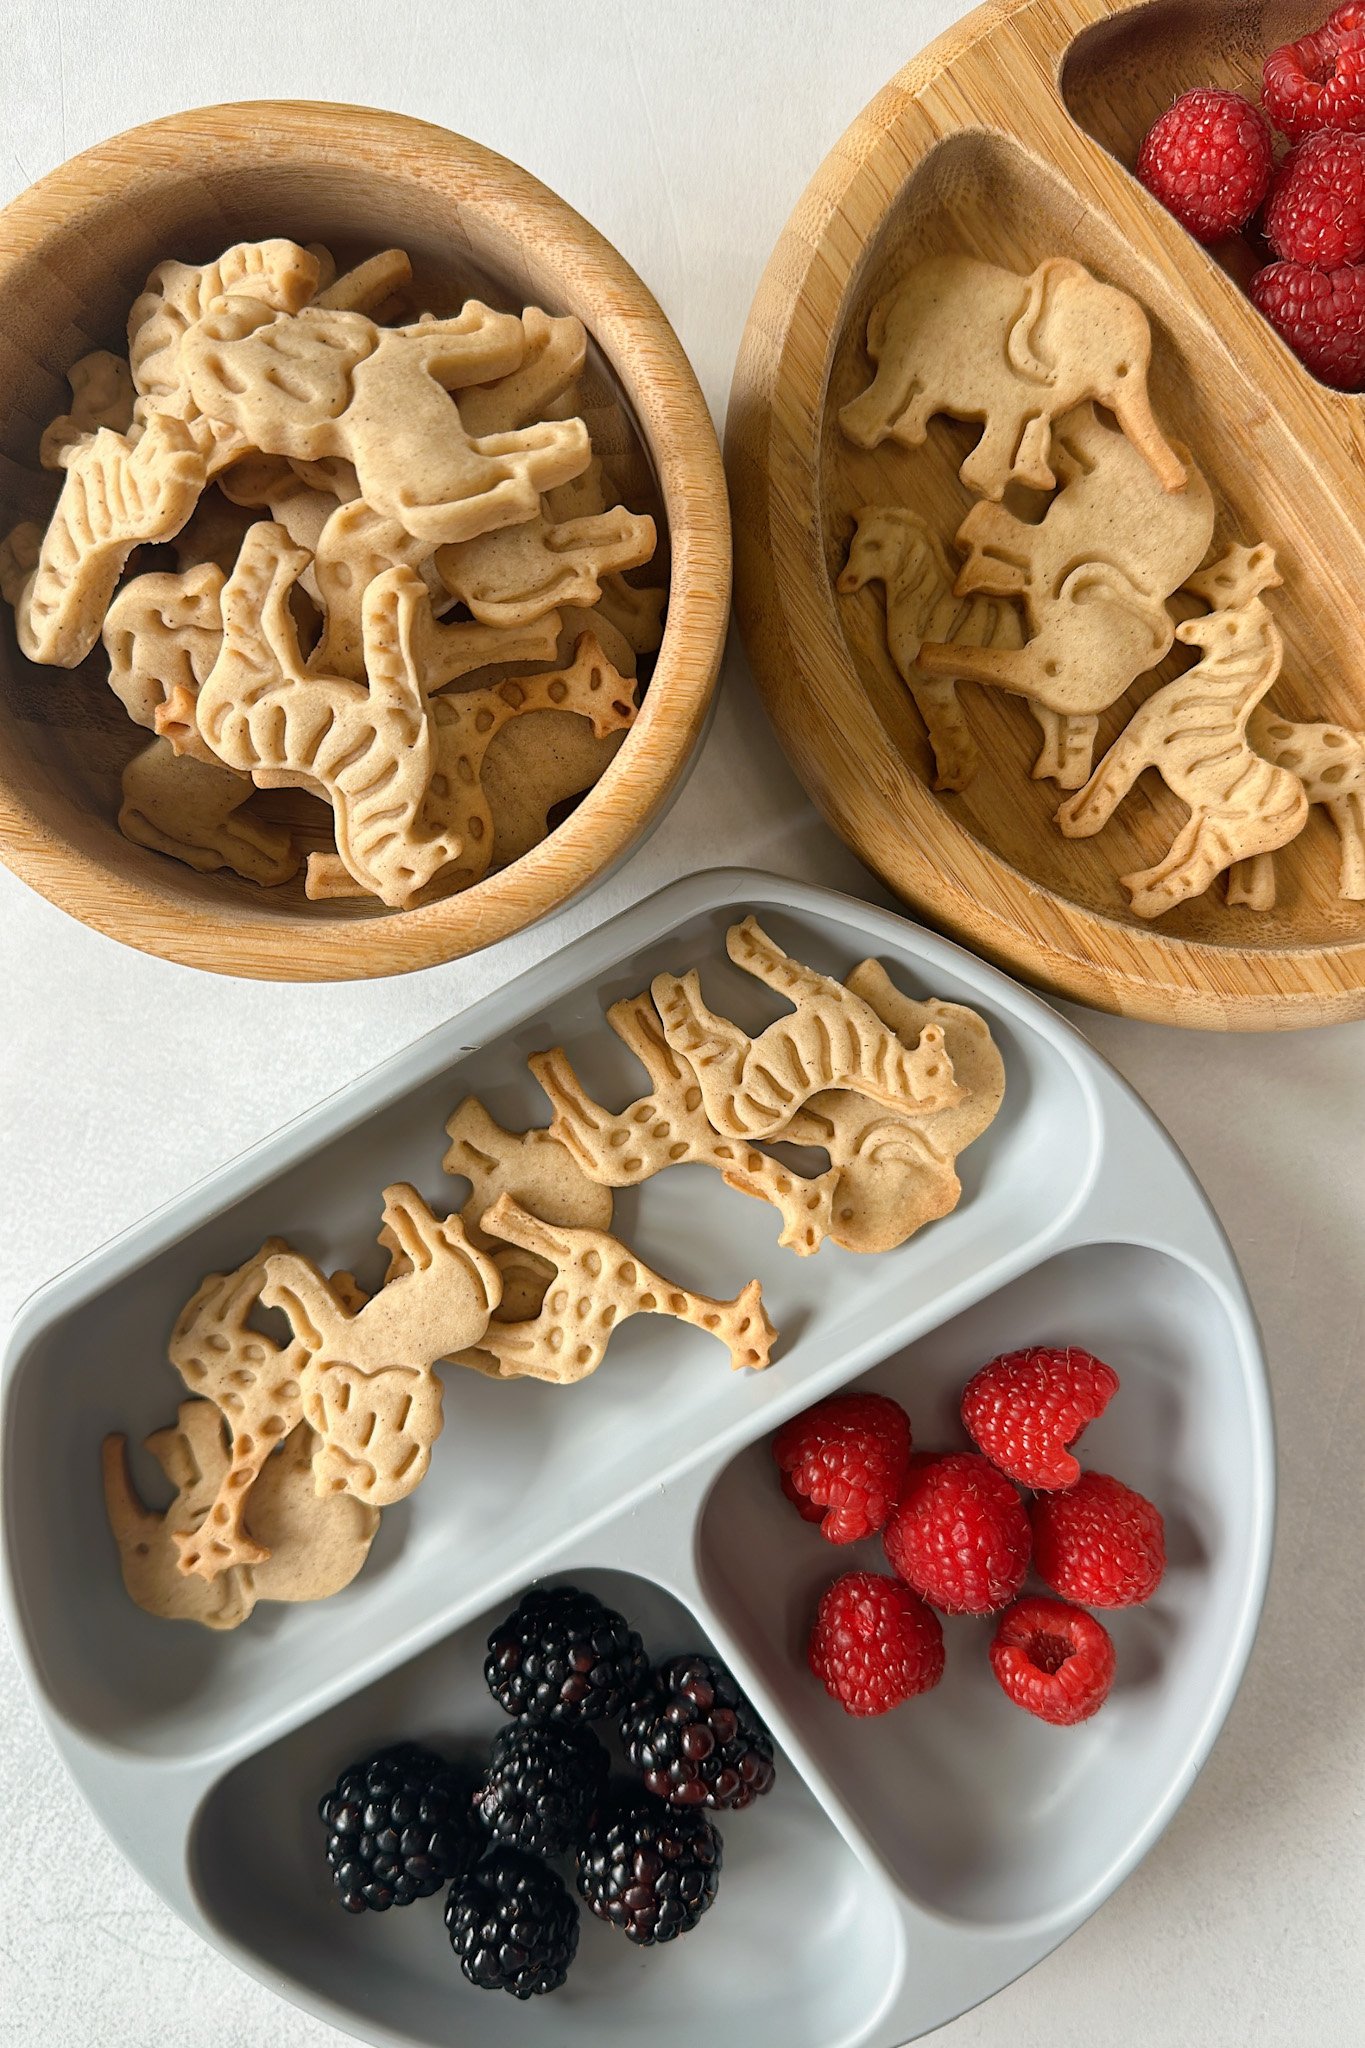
pixel 1011 138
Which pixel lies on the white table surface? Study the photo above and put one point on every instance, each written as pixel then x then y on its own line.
pixel 686 132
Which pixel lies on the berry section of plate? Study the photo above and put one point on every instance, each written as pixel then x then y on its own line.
pixel 900 1867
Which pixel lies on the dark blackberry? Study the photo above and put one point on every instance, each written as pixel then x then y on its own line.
pixel 563 1656
pixel 696 1739
pixel 650 1870
pixel 542 1786
pixel 398 1828
pixel 513 1924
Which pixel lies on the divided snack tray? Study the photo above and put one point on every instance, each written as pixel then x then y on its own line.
pixel 901 1869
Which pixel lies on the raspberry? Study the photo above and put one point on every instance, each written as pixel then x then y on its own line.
pixel 1208 160
pixel 874 1643
pixel 1321 314
pixel 1319 82
pixel 959 1534
pixel 809 1510
pixel 847 1455
pixel 1053 1660
pixel 1101 1543
pixel 1317 211
pixel 1026 1407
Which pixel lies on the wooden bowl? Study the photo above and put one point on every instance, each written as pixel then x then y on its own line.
pixel 1008 139
pixel 74 251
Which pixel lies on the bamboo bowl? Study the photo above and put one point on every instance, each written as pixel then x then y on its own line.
pixel 1012 138
pixel 74 251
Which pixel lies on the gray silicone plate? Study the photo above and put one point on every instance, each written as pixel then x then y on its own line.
pixel 903 1868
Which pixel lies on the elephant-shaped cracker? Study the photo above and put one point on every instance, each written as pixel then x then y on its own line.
pixel 516 575
pixel 538 1172
pixel 894 1174
pixel 101 396
pixel 1193 731
pixel 313 1547
pixel 598 1284
pixel 323 383
pixel 366 1381
pixel 1094 575
pixel 670 1127
pixel 162 634
pixel 116 494
pixel 753 1087
pixel 195 811
pixel 894 547
pixel 1329 761
pixel 963 337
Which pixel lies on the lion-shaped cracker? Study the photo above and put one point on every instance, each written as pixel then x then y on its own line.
pixel 516 575
pixel 366 1382
pixel 101 396
pixel 195 811
pixel 670 1127
pixel 321 383
pixel 893 546
pixel 598 1284
pixel 753 1087
pixel 1193 731
pixel 116 495
pixel 312 1547
pixel 539 1173
pixel 966 338
pixel 1094 575
pixel 162 634
pixel 1329 761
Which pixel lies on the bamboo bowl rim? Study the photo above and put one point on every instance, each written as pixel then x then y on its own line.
pixel 645 355
pixel 785 602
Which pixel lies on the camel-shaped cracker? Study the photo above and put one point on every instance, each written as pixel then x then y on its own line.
pixel 366 1382
pixel 894 547
pixel 194 811
pixel 115 495
pixel 101 396
pixel 555 352
pixel 1193 731
pixel 1329 761
pixel 962 337
pixel 313 1547
pixel 516 575
pixel 1094 574
pixel 893 1174
pixel 598 1284
pixel 753 1087
pixel 162 634
pixel 538 1172
pixel 321 383
pixel 670 1127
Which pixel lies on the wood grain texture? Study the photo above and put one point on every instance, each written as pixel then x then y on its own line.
pixel 74 251
pixel 1009 139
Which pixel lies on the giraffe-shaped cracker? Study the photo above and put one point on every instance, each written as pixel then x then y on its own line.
pixel 538 1172
pixel 753 1087
pixel 101 396
pixel 1329 761
pixel 670 1127
pixel 366 1381
pixel 194 811
pixel 598 1284
pixel 516 575
pixel 325 383
pixel 1193 731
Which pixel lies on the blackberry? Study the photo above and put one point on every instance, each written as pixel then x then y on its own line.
pixel 513 1925
pixel 542 1786
pixel 696 1739
pixel 563 1656
pixel 650 1870
pixel 398 1828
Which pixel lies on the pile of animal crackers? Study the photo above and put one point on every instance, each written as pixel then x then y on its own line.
pixel 1068 609
pixel 285 1453
pixel 333 488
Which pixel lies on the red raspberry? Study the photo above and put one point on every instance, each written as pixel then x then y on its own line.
pixel 1319 82
pixel 809 1510
pixel 1317 210
pixel 1025 1407
pixel 847 1455
pixel 1321 314
pixel 874 1644
pixel 1207 159
pixel 1053 1660
pixel 1101 1543
pixel 959 1534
